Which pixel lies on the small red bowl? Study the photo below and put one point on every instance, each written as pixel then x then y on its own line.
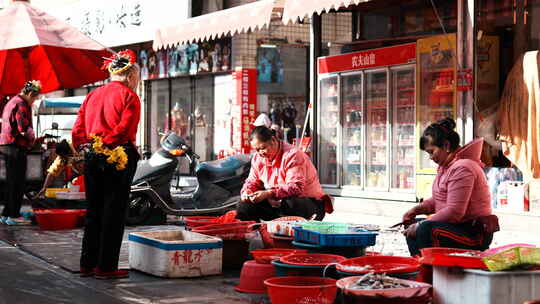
pixel 253 275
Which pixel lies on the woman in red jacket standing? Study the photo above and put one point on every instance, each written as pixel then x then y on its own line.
pixel 107 120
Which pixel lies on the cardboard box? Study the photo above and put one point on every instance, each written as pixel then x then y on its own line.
pixel 512 196
pixel 533 193
pixel 517 200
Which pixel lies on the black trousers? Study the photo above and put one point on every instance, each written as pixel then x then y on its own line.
pixel 107 194
pixel 298 206
pixel 441 234
pixel 16 178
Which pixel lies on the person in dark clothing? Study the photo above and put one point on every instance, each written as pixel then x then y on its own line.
pixel 108 119
pixel 16 138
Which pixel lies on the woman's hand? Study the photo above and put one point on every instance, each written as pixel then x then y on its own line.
pixel 274 203
pixel 246 196
pixel 410 232
pixel 41 193
pixel 409 216
pixel 260 196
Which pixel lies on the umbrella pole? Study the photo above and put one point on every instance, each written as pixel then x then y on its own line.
pixel 24 54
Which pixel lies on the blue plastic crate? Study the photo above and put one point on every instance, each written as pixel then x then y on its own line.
pixel 361 238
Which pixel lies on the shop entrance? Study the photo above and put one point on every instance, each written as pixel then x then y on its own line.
pixel 184 105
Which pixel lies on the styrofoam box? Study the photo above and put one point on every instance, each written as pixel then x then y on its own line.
pixel 70 195
pixel 473 286
pixel 175 253
pixel 533 191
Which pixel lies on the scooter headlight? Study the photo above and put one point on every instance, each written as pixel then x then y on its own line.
pixel 177 152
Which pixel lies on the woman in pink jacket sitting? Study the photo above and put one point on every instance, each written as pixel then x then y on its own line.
pixel 282 181
pixel 460 206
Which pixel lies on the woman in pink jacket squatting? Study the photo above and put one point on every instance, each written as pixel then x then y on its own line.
pixel 460 204
pixel 282 181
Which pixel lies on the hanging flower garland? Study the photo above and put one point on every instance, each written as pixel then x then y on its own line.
pixel 116 157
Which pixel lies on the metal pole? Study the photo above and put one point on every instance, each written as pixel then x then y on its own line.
pixel 466 54
pixel 315 43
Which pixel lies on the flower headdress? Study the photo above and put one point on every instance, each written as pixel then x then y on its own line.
pixel 120 62
pixel 32 86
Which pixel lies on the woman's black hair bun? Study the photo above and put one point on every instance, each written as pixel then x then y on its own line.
pixel 448 123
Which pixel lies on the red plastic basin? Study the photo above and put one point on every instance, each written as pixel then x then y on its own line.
pixel 417 293
pixel 82 218
pixel 442 257
pixel 287 290
pixel 311 259
pixel 230 231
pixel 379 264
pixel 280 241
pixel 57 219
pixel 253 275
pixel 265 256
pixel 196 221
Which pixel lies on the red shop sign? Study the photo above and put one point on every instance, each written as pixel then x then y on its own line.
pixel 464 80
pixel 244 108
pixel 393 55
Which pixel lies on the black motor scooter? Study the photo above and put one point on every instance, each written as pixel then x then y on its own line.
pixel 217 189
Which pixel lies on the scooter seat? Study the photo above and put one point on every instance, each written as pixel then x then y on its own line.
pixel 226 166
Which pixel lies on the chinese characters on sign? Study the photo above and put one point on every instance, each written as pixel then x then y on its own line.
pixel 363 60
pixel 94 21
pixel 392 55
pixel 121 22
pixel 244 108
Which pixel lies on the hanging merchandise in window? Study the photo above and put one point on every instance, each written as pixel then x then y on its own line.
pixel 269 64
pixel 186 59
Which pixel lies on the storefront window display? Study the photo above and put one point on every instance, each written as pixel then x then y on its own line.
pixel 186 59
pixel 158 107
pixel 281 85
pixel 269 64
pixel 181 96
pixel 223 92
pixel 203 117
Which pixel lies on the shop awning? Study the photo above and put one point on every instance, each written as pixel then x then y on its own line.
pixel 63 102
pixel 295 9
pixel 215 25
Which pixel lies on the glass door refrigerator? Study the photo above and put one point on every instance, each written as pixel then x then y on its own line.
pixel 404 143
pixel 366 112
pixel 352 95
pixel 377 127
pixel 328 130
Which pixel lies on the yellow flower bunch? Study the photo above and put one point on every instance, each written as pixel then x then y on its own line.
pixel 116 156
